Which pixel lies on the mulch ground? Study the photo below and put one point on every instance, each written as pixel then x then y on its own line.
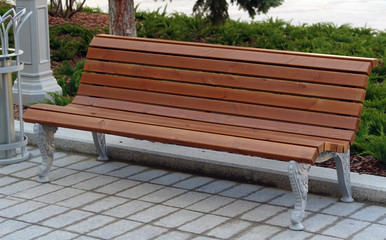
pixel 358 164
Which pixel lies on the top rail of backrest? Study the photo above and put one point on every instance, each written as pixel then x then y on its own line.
pixel 242 54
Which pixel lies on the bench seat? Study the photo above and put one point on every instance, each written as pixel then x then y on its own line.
pixel 288 106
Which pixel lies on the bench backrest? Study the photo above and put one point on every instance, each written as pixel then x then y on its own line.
pixel 305 91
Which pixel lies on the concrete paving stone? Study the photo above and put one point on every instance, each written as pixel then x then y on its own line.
pixel 6 180
pixel 345 228
pixel 58 173
pixel 265 194
pixel 259 232
pixel 373 232
pixel 90 224
pixel 85 164
pixel 148 175
pixel 210 204
pixel 262 212
pixel 31 232
pixel 127 209
pixel 58 155
pixel 127 171
pixel 282 219
pixel 9 201
pixel 139 190
pixel 318 221
pixel 152 213
pixel 11 168
pixel 171 178
pixel 216 186
pixel 104 204
pixel 203 224
pixel 343 209
pixel 10 226
pixel 81 199
pixel 66 219
pixel 66 160
pixel 36 159
pixel 96 182
pixel 60 235
pixel 316 203
pixel 174 235
pixel 34 152
pixel 114 229
pixel 203 238
pixel 382 221
pixel 289 234
pixel 323 237
pixel 107 167
pixel 86 238
pixel 117 186
pixel 143 233
pixel 186 199
pixel 59 195
pixel 178 218
pixel 286 200
pixel 74 178
pixel 27 173
pixel 18 187
pixel 240 190
pixel 162 195
pixel 37 191
pixel 236 208
pixel 228 229
pixel 21 208
pixel 42 213
pixel 370 213
pixel 194 182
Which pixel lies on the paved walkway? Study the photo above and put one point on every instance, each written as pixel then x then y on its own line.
pixel 87 199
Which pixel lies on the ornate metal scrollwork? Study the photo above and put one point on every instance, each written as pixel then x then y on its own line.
pixel 343 171
pixel 298 175
pixel 44 137
pixel 100 145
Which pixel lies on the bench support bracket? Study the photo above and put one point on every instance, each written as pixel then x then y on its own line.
pixel 44 137
pixel 343 171
pixel 100 145
pixel 298 175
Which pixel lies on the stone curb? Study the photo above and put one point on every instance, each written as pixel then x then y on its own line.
pixel 224 165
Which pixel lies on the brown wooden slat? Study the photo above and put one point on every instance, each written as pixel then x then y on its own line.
pixel 234 95
pixel 263 84
pixel 272 58
pixel 252 147
pixel 190 125
pixel 373 61
pixel 248 69
pixel 290 115
pixel 277 126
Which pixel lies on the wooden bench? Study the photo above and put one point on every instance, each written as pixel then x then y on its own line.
pixel 289 106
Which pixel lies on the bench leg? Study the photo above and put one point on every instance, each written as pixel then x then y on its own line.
pixel 44 137
pixel 298 175
pixel 100 145
pixel 343 171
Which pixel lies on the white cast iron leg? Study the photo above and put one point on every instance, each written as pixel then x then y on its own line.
pixel 298 175
pixel 343 170
pixel 100 145
pixel 44 137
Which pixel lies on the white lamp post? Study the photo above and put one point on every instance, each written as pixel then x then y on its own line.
pixel 36 78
